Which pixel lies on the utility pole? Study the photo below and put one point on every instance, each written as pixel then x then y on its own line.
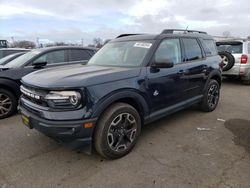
pixel 37 41
pixel 82 41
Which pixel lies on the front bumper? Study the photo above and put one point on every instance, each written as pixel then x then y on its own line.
pixel 73 134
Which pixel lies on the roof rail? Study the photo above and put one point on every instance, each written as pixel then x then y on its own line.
pixel 128 34
pixel 171 31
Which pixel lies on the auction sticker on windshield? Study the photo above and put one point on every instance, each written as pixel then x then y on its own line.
pixel 142 45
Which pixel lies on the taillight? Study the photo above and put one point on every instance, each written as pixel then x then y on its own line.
pixel 244 59
pixel 221 64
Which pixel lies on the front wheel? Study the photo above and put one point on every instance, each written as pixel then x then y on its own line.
pixel 211 96
pixel 117 131
pixel 8 103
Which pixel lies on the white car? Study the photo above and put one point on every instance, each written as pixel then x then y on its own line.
pixel 235 54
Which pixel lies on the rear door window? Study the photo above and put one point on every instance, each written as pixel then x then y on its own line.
pixel 192 49
pixel 231 47
pixel 209 47
pixel 78 55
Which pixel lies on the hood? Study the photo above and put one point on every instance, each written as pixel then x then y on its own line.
pixel 78 76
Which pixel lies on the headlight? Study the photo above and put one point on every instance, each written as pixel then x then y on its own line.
pixel 63 99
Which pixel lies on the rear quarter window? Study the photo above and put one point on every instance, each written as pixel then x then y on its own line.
pixel 209 47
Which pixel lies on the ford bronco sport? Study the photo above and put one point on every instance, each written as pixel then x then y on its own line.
pixel 131 81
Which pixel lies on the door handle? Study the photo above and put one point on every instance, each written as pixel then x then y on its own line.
pixel 182 72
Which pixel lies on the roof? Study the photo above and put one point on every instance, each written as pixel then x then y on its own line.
pixel 164 34
pixel 66 47
pixel 21 49
pixel 231 40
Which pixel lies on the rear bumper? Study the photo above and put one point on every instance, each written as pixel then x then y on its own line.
pixel 241 70
pixel 245 71
pixel 73 134
pixel 235 70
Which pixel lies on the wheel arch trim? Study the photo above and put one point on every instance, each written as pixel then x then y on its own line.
pixel 11 86
pixel 117 96
pixel 214 74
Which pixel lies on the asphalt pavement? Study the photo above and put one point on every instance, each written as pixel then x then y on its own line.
pixel 186 149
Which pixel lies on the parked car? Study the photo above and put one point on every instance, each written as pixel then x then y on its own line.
pixel 11 73
pixel 10 57
pixel 3 44
pixel 235 54
pixel 7 51
pixel 131 81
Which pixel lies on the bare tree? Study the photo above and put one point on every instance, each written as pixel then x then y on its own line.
pixel 106 41
pixel 23 44
pixel 56 44
pixel 98 42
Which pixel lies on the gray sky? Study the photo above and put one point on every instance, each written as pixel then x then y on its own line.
pixel 70 21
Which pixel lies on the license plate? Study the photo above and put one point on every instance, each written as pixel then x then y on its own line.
pixel 26 120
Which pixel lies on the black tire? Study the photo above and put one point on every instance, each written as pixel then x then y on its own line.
pixel 246 82
pixel 228 60
pixel 110 127
pixel 211 96
pixel 8 103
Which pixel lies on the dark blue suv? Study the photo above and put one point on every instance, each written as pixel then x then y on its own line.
pixel 131 81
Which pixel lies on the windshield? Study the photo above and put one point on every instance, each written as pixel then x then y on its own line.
pixel 128 53
pixel 20 61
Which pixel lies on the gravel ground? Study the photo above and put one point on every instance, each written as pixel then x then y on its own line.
pixel 187 149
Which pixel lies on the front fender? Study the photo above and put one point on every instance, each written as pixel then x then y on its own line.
pixel 109 99
pixel 12 85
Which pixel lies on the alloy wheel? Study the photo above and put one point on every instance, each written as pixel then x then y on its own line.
pixel 224 60
pixel 213 95
pixel 122 132
pixel 5 104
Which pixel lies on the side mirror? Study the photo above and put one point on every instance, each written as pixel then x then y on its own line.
pixel 163 63
pixel 39 64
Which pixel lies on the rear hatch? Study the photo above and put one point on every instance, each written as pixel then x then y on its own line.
pixel 236 49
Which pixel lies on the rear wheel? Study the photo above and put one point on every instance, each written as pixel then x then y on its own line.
pixel 8 103
pixel 117 131
pixel 246 82
pixel 211 97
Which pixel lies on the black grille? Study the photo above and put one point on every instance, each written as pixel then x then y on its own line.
pixel 34 95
